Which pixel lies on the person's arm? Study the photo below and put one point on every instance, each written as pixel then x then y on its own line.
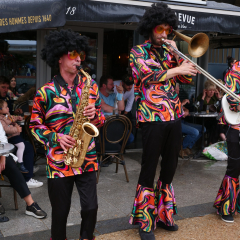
pixel 233 83
pixel 9 129
pixel 39 130
pixel 2 163
pixel 140 66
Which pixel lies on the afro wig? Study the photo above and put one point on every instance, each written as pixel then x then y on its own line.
pixel 158 14
pixel 60 43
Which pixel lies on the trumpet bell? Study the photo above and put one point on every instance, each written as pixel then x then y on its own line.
pixel 198 45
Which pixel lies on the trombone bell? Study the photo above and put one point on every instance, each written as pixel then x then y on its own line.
pixel 197 45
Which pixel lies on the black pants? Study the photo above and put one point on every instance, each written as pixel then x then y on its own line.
pixel 60 192
pixel 16 178
pixel 233 167
pixel 160 138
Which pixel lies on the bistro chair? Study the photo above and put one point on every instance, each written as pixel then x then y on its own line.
pixel 9 185
pixel 22 105
pixel 112 141
pixel 39 151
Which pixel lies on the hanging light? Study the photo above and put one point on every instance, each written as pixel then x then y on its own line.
pixel 119 56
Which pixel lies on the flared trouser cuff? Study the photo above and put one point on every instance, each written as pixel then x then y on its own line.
pixel 165 203
pixel 227 200
pixel 153 205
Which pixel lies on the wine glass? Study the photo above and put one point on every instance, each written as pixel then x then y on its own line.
pixel 216 104
pixel 197 105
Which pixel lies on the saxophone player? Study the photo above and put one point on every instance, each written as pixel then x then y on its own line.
pixel 53 114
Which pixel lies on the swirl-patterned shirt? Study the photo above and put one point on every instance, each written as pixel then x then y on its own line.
pixel 52 117
pixel 232 81
pixel 155 101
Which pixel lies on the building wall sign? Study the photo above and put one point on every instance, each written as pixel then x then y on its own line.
pixel 96 11
pixel 24 15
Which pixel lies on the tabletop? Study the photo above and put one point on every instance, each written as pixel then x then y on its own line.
pixel 6 148
pixel 203 114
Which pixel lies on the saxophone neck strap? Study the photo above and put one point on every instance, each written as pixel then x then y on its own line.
pixel 59 81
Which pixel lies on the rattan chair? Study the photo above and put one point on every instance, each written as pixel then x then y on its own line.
pixel 112 141
pixel 39 151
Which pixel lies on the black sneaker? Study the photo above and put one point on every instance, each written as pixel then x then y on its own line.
pixel 35 211
pixel 168 228
pixel 146 235
pixel 2 210
pixel 22 168
pixel 227 218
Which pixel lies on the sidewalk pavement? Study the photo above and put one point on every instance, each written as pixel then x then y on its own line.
pixel 196 184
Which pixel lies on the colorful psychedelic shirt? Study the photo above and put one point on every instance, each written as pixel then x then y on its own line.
pixel 158 101
pixel 232 81
pixel 52 117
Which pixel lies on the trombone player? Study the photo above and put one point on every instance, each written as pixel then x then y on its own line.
pixel 155 70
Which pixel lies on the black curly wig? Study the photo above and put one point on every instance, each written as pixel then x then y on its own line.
pixel 60 42
pixel 158 14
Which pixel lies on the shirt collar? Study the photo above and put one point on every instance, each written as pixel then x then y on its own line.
pixel 62 82
pixel 149 45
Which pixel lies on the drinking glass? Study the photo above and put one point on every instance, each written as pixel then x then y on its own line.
pixel 197 105
pixel 216 104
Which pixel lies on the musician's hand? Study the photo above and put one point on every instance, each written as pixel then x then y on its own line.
pixel 90 111
pixel 171 49
pixel 204 94
pixel 187 68
pixel 66 141
pixel 2 163
pixel 185 101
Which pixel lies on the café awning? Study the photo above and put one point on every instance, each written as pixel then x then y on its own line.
pixel 212 17
pixel 25 15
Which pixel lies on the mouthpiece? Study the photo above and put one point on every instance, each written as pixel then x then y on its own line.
pixel 79 68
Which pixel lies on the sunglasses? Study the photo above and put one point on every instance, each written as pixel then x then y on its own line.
pixel 160 29
pixel 74 54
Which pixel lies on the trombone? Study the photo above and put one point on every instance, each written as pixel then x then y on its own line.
pixel 197 46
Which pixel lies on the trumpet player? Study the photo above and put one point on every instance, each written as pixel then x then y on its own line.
pixel 155 70
pixel 53 112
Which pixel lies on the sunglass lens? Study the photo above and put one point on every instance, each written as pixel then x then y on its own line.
pixel 72 55
pixel 82 55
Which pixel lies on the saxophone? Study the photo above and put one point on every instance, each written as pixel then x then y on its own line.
pixel 82 130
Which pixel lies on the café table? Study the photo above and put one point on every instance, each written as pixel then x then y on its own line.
pixel 6 148
pixel 202 115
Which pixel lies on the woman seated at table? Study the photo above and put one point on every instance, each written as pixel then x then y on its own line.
pixel 210 96
pixel 9 168
pixel 12 91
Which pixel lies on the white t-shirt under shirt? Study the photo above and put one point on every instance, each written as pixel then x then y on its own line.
pixel 129 96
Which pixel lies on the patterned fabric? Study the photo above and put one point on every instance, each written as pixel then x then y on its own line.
pixel 165 203
pixel 144 211
pixel 158 101
pixel 232 80
pixel 52 117
pixel 227 200
pixel 151 206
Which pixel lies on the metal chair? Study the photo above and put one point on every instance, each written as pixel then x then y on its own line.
pixel 22 105
pixel 39 151
pixel 112 141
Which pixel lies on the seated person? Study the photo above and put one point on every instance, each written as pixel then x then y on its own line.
pixel 4 86
pixel 192 131
pixel 108 97
pixel 12 91
pixel 9 168
pixel 13 130
pixel 128 93
pixel 209 96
